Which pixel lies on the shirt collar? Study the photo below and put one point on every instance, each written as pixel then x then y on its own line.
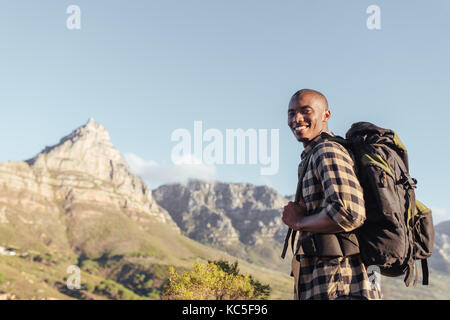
pixel 321 137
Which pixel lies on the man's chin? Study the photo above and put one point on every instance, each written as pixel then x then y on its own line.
pixel 304 139
pixel 301 137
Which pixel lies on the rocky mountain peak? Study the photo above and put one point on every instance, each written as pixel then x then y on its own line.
pixel 87 150
pixel 90 138
pixel 92 130
pixel 85 177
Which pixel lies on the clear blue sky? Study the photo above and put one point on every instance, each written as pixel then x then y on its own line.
pixel 146 68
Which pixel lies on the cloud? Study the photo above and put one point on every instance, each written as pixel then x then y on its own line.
pixel 156 174
pixel 440 214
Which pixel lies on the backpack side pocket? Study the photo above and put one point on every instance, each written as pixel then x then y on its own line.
pixel 423 232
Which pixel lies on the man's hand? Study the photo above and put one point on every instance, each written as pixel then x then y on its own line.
pixel 293 214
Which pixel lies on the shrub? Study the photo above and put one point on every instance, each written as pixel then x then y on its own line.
pixel 115 290
pixel 215 280
pixel 89 266
pixel 89 287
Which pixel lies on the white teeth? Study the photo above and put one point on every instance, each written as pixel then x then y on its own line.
pixel 301 128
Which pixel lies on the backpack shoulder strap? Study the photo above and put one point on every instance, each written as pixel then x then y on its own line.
pixel 298 194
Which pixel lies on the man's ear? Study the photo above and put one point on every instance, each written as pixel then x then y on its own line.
pixel 326 115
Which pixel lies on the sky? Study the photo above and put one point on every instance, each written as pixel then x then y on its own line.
pixel 145 69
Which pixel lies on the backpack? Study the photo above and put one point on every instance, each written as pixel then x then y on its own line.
pixel 398 229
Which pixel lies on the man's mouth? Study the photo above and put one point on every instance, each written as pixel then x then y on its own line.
pixel 301 128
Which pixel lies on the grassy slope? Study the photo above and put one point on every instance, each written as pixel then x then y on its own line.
pixel 28 279
pixel 41 278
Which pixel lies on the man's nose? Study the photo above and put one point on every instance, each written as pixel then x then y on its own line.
pixel 298 117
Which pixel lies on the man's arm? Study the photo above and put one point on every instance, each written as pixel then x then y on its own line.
pixel 342 191
pixel 294 216
pixel 344 210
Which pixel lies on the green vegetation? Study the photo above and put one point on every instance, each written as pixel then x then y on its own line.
pixel 88 286
pixel 90 266
pixel 138 276
pixel 116 291
pixel 215 280
pixel 132 271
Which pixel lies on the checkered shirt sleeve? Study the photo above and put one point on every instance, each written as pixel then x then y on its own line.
pixel 332 166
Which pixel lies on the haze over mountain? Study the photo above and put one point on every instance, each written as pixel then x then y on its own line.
pixel 440 259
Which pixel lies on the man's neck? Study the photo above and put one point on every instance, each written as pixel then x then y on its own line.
pixel 306 143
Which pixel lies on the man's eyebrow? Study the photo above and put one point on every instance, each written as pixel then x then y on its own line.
pixel 299 108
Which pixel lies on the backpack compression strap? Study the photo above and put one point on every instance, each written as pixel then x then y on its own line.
pixel 410 184
pixel 425 272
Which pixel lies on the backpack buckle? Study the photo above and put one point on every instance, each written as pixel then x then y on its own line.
pixel 407 181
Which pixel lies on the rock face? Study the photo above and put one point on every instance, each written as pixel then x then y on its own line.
pixel 440 259
pixel 66 189
pixel 224 213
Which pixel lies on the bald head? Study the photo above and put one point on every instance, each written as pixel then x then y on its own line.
pixel 318 97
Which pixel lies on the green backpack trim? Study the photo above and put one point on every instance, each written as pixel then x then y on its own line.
pixel 421 209
pixel 376 160
pixel 398 143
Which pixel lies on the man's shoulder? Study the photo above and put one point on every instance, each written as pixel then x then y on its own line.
pixel 330 149
pixel 332 152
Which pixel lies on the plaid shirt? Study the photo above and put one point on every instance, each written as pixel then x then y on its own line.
pixel 330 185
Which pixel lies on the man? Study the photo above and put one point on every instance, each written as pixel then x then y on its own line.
pixel 331 206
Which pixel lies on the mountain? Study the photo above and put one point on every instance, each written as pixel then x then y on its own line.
pixel 224 213
pixel 241 218
pixel 76 195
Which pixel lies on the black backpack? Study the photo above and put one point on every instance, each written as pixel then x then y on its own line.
pixel 398 229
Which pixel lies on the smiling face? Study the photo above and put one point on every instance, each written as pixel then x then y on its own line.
pixel 308 115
